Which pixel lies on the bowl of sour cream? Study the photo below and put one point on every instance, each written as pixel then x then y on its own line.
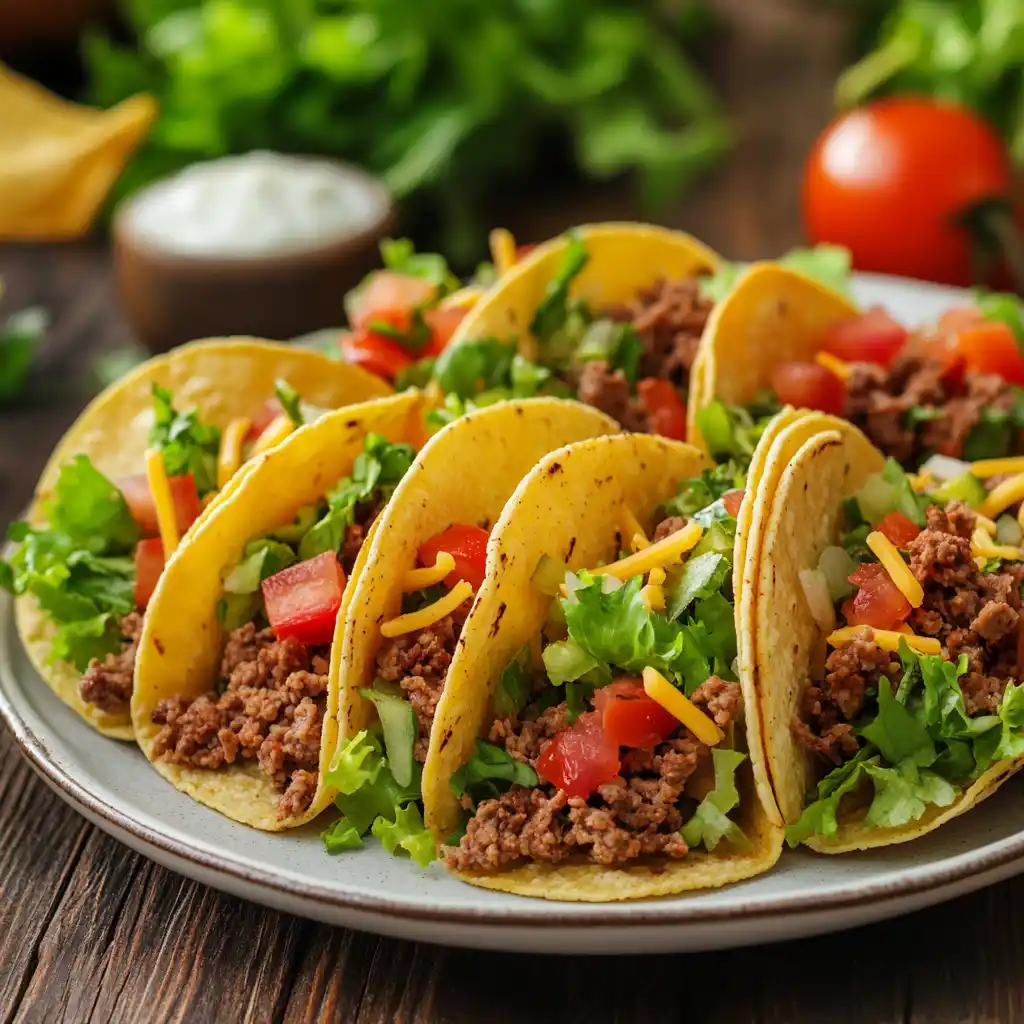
pixel 262 244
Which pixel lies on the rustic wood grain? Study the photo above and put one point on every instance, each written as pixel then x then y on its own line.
pixel 89 931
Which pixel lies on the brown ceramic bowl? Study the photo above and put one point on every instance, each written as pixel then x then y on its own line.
pixel 171 297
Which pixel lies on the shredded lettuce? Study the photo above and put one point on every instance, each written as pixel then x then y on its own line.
pixel 710 823
pixel 700 577
pixel 828 264
pixel 614 343
pixel 921 748
pixel 79 567
pixel 514 686
pixel 697 493
pixel 186 444
pixel 553 311
pixel 400 255
pixel 261 559
pixel 469 367
pixel 489 772
pixel 398 723
pixel 290 402
pixel 907 500
pixel 370 799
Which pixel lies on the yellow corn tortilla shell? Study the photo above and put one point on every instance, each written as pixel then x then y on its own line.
pixel 821 468
pixel 568 509
pixel 222 378
pixel 181 645
pixel 465 474
pixel 624 257
pixel 773 315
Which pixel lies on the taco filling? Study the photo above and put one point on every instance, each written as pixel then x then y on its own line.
pixel 613 737
pixel 378 771
pixel 919 693
pixel 94 567
pixel 279 610
pixel 952 388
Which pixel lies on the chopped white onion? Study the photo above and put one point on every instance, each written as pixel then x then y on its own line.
pixel 815 588
pixel 944 468
pixel 1008 531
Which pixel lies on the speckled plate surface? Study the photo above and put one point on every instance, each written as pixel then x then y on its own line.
pixel 112 785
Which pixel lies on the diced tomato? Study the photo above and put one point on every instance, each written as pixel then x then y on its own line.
pixel 467 545
pixel 900 529
pixel 960 318
pixel 940 344
pixel 443 324
pixel 149 564
pixel 386 291
pixel 630 718
pixel 872 337
pixel 143 509
pixel 375 353
pixel 991 347
pixel 666 413
pixel 303 600
pixel 809 386
pixel 878 603
pixel 580 758
pixel 268 412
pixel 732 500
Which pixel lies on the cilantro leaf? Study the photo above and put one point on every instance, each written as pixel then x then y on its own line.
pixel 186 444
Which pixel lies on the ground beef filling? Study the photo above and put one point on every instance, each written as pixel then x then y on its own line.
pixel 271 710
pixel 355 534
pixel 107 684
pixel 419 662
pixel 634 815
pixel 669 319
pixel 969 611
pixel 878 401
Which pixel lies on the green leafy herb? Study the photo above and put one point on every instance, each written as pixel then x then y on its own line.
pixel 186 444
pixel 290 401
pixel 698 493
pixel 732 431
pixel 469 367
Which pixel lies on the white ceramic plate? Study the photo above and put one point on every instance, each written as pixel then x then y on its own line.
pixel 111 784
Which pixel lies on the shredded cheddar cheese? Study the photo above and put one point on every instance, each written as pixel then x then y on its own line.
pixel 922 481
pixel 982 547
pixel 464 298
pixel 676 703
pixel 160 488
pixel 898 570
pixel 631 528
pixel 503 250
pixel 275 433
pixel 653 595
pixel 443 606
pixel 656 576
pixel 833 365
pixel 664 552
pixel 985 468
pixel 417 579
pixel 887 639
pixel 229 459
pixel 1002 497
pixel 985 523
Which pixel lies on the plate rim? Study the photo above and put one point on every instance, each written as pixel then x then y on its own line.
pixel 662 912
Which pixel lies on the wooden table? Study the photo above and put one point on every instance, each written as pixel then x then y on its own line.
pixel 91 931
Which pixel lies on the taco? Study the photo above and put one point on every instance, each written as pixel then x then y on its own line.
pixel 425 564
pixel 951 387
pixel 609 314
pixel 235 695
pixel 590 741
pixel 886 629
pixel 95 539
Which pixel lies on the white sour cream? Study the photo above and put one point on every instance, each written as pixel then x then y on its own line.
pixel 259 204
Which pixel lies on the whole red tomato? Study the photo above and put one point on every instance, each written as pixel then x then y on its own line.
pixel 892 180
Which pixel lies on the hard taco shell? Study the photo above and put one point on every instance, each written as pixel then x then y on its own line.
pixel 568 508
pixel 224 379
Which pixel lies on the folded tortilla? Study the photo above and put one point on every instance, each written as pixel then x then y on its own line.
pixel 223 379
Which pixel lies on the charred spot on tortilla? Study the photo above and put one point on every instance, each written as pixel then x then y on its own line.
pixel 497 620
pixel 445 739
pixel 503 557
pixel 570 550
pixel 158 644
pixel 352 423
pixel 555 467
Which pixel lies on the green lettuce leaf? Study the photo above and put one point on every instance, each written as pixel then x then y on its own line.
pixel 489 772
pixel 469 367
pixel 406 832
pixel 700 577
pixel 261 559
pixel 399 255
pixel 697 493
pixel 186 444
pixel 290 402
pixel 514 686
pixel 710 823
pixel 553 311
pixel 611 342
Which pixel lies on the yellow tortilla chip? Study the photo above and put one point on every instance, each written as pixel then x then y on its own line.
pixel 773 315
pixel 465 474
pixel 60 159
pixel 223 379
pixel 568 509
pixel 180 649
